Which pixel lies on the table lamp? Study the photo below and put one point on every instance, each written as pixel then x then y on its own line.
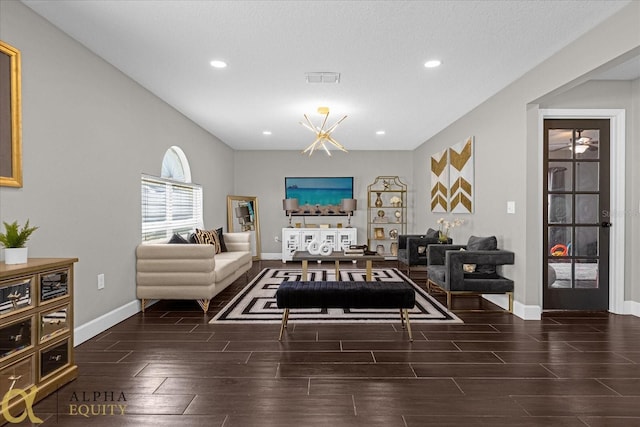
pixel 348 206
pixel 290 205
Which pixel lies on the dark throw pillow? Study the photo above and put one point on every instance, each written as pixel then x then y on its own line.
pixel 223 246
pixel 176 238
pixel 432 234
pixel 483 244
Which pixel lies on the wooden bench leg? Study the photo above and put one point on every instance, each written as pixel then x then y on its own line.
pixel 406 317
pixel 285 320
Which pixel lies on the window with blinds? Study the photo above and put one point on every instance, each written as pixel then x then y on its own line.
pixel 169 207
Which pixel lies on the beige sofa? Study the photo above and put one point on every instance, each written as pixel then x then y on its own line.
pixel 190 271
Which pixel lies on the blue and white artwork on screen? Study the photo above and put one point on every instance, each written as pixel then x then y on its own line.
pixel 318 195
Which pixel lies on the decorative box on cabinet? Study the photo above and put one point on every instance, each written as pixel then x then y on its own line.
pixel 36 333
pixel 298 239
pixel 387 210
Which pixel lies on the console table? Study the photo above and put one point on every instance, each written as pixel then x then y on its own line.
pixel 36 328
pixel 305 257
pixel 298 239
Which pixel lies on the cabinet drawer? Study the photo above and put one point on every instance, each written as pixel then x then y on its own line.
pixel 54 285
pixel 15 336
pixel 16 295
pixel 18 375
pixel 53 358
pixel 54 322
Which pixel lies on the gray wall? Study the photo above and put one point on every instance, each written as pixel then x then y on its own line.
pixel 261 174
pixel 507 147
pixel 88 134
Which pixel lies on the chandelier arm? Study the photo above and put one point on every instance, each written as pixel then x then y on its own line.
pixel 312 146
pixel 326 149
pixel 335 125
pixel 336 143
pixel 308 127
pixel 315 129
pixel 324 122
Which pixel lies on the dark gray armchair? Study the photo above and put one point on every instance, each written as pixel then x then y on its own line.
pixel 474 270
pixel 412 250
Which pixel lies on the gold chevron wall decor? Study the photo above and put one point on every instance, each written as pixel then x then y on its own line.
pixel 461 182
pixel 440 182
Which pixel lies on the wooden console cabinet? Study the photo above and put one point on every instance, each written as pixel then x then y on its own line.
pixel 36 328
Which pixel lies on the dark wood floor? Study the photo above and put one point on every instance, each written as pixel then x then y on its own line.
pixel 174 369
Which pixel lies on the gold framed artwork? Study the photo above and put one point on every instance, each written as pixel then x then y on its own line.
pixel 10 117
pixel 461 184
pixel 440 182
pixel 452 178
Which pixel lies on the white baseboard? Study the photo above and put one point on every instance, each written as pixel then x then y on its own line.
pixel 90 329
pixel 534 312
pixel 632 307
pixel 271 256
pixel 526 312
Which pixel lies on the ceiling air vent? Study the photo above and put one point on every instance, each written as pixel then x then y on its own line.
pixel 322 77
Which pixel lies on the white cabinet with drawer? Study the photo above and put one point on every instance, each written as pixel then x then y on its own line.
pixel 298 239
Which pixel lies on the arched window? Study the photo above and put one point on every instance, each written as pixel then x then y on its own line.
pixel 175 165
pixel 171 203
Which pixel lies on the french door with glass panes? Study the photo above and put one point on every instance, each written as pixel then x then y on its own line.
pixel 576 214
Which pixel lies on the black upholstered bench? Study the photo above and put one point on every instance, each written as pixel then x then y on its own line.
pixel 309 294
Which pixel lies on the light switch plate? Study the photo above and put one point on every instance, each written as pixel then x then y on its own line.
pixel 511 207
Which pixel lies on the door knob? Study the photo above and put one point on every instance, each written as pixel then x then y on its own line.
pixel 605 224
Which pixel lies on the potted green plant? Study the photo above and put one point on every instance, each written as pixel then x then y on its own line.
pixel 14 239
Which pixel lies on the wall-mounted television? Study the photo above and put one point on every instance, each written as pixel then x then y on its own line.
pixel 318 196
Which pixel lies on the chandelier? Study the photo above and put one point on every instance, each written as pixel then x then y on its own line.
pixel 323 134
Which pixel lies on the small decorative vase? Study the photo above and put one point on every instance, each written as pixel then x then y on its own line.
pixel 394 249
pixel 15 255
pixel 380 249
pixel 314 247
pixel 443 238
pixel 326 248
pixel 378 202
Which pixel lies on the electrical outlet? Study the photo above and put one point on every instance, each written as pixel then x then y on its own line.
pixel 101 281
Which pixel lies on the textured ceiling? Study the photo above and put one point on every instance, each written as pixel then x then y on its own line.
pixel 378 47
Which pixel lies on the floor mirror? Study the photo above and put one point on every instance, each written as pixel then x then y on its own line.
pixel 242 215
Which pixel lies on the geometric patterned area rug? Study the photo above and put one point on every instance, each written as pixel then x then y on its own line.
pixel 256 303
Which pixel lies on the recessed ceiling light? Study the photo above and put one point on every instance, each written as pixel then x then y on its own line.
pixel 266 132
pixel 432 63
pixel 216 63
pixel 380 132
